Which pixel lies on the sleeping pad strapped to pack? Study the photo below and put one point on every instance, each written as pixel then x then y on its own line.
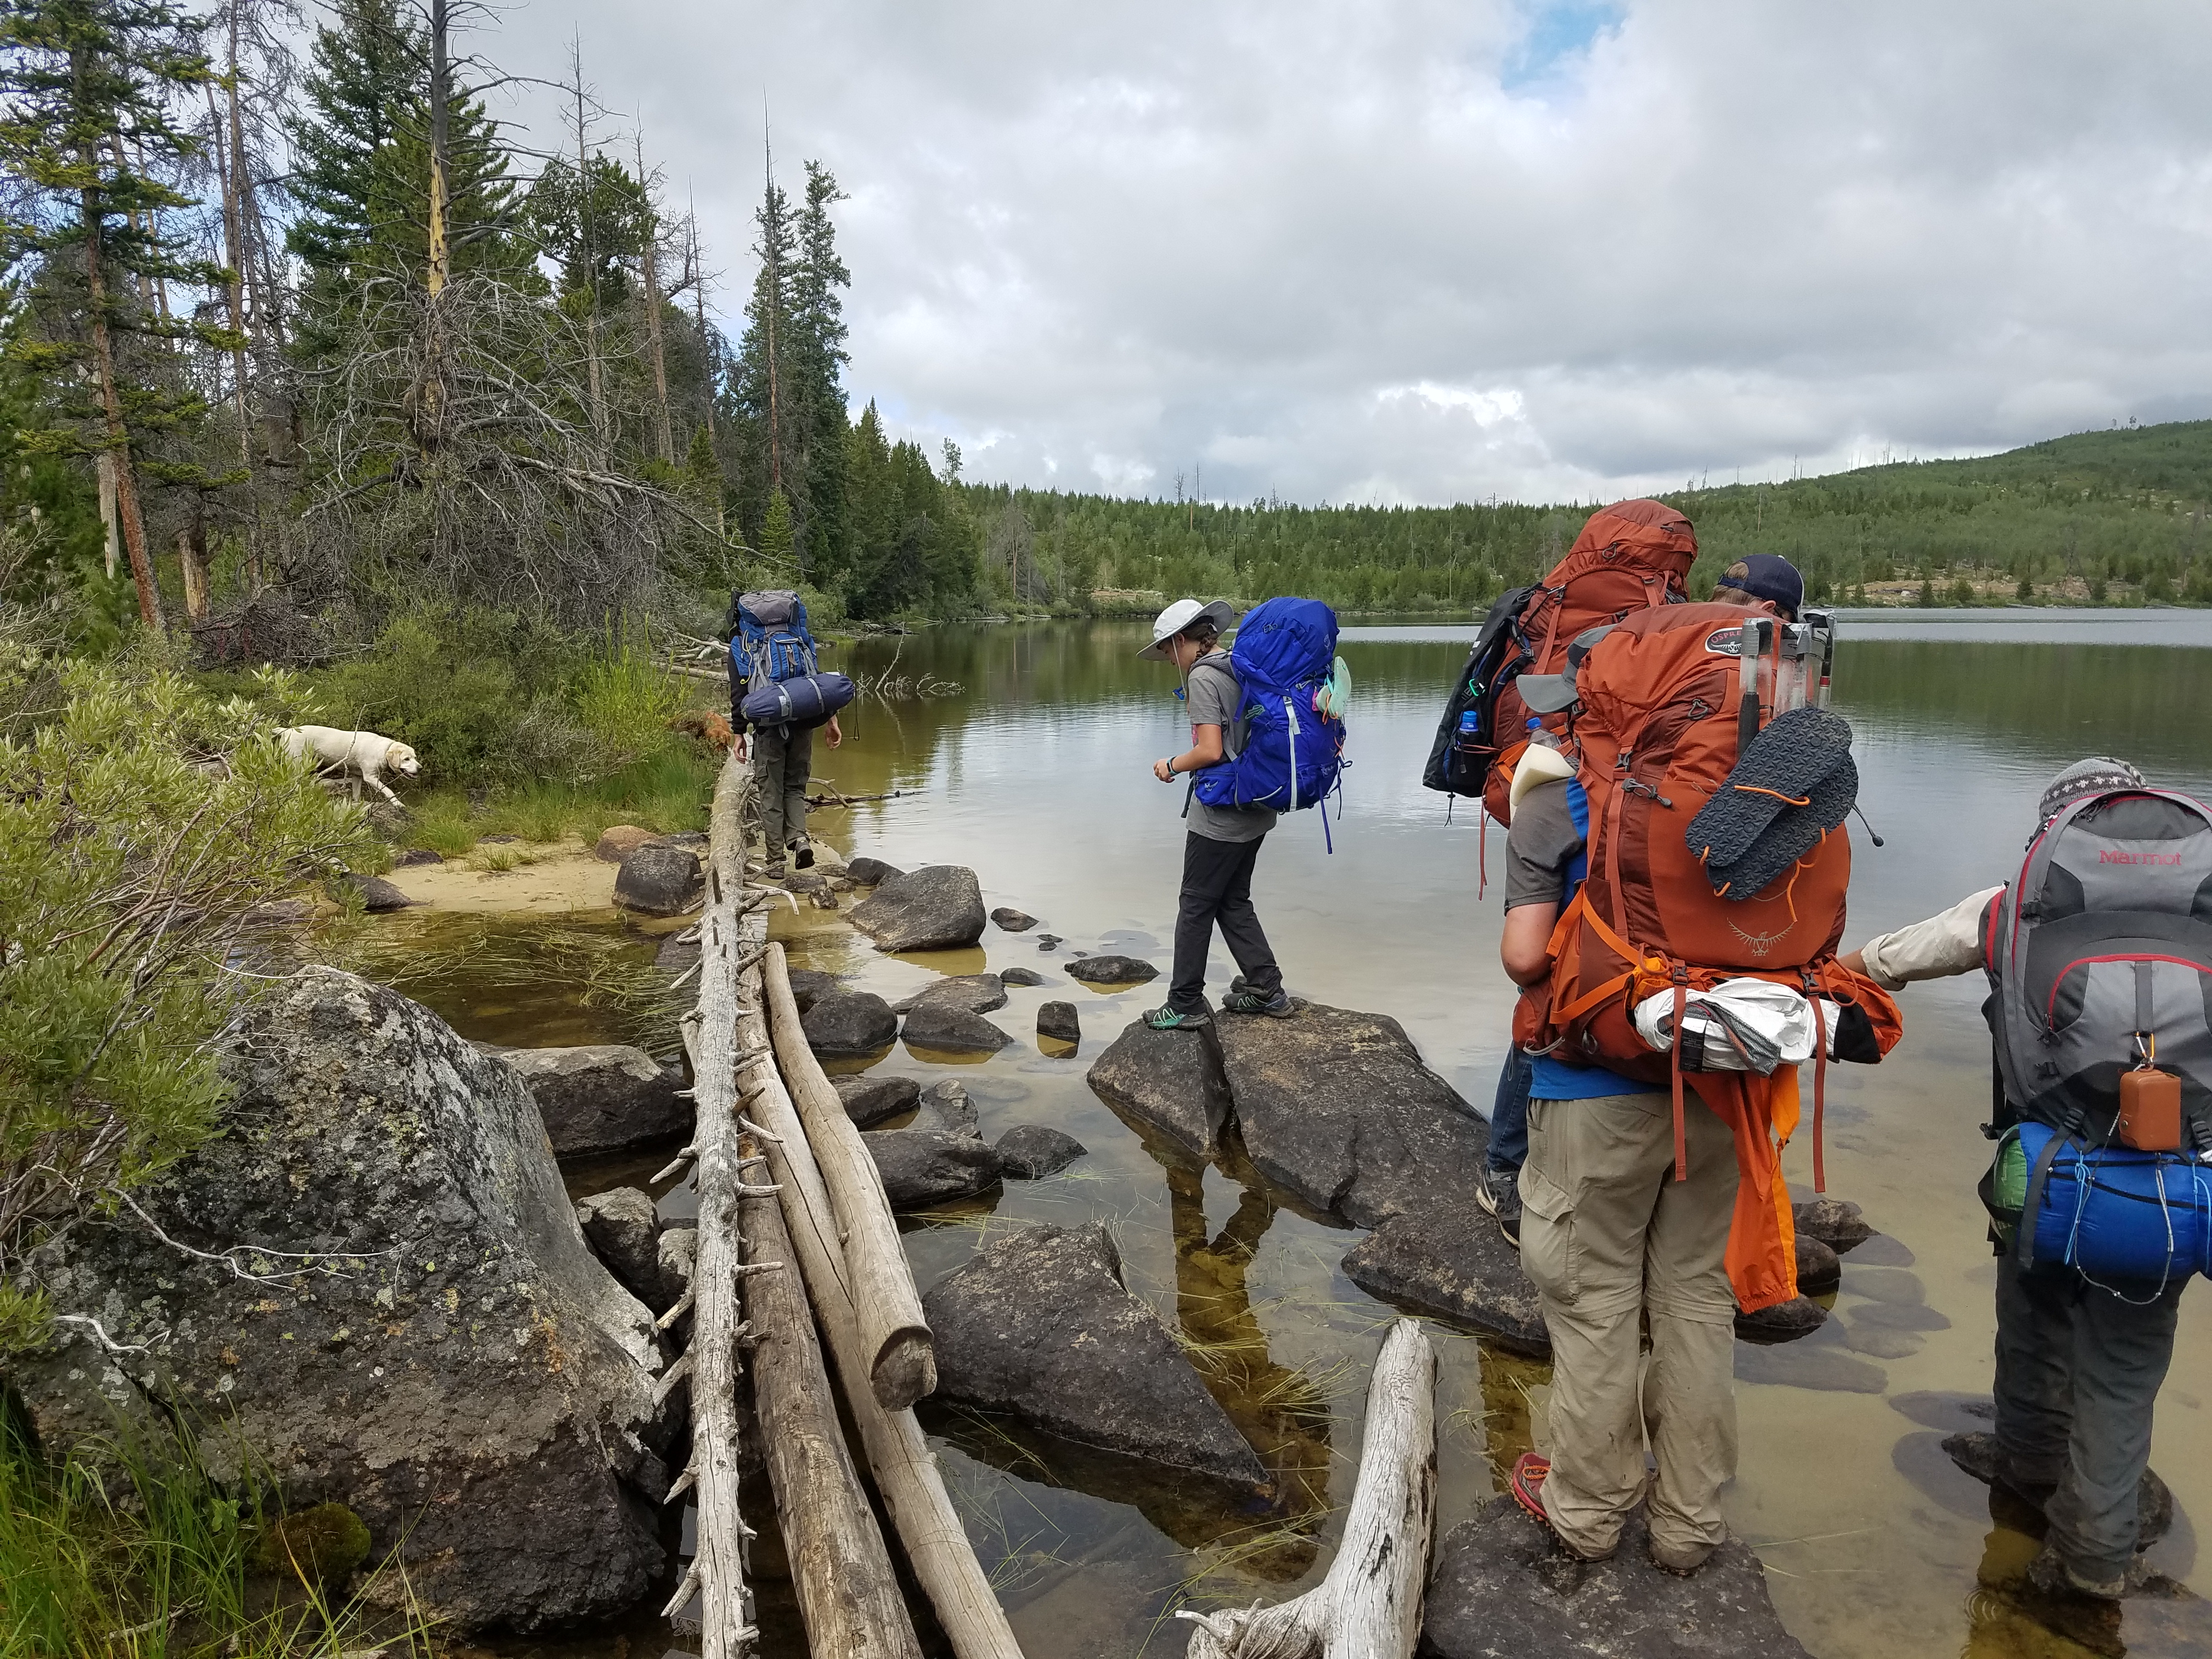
pixel 1630 556
pixel 2100 958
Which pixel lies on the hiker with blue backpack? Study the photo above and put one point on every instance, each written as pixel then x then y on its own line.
pixel 2100 1193
pixel 1267 738
pixel 779 690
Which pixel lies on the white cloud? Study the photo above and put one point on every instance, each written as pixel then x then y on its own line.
pixel 1429 251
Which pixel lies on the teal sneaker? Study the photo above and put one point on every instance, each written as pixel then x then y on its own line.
pixel 1246 1001
pixel 1167 1020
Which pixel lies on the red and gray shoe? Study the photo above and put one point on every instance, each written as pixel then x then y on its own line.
pixel 1526 1483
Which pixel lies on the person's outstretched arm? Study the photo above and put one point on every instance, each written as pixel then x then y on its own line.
pixel 1943 944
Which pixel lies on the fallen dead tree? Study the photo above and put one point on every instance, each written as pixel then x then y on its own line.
pixel 906 1472
pixel 1369 1606
pixel 886 1307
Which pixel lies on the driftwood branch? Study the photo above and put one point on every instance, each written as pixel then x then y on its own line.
pixel 902 1365
pixel 1369 1606
pixel 848 1592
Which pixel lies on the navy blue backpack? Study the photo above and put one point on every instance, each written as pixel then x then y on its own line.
pixel 1284 656
pixel 774 651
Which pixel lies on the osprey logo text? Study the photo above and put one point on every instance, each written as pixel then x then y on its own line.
pixel 1725 642
pixel 1758 943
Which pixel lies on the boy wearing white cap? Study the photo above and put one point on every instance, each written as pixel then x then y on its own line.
pixel 1224 842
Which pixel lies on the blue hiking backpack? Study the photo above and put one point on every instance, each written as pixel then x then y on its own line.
pixel 773 650
pixel 1285 658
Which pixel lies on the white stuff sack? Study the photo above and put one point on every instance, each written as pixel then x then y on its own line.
pixel 1739 1025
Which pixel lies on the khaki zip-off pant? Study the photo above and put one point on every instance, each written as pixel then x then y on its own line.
pixel 1609 1237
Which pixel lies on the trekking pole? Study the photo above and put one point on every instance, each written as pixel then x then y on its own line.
pixel 1746 678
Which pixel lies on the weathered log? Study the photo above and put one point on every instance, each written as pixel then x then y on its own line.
pixel 902 1364
pixel 1369 1606
pixel 848 1592
pixel 719 1057
pixel 906 1472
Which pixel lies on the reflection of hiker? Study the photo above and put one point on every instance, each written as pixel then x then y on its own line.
pixel 771 647
pixel 1224 842
pixel 1652 1195
pixel 1762 581
pixel 2097 961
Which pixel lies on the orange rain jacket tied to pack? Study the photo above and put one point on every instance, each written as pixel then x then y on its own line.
pixel 1656 734
pixel 1631 557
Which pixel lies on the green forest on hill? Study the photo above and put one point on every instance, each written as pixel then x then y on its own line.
pixel 2115 517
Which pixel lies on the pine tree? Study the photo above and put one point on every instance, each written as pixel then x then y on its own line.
pixel 80 78
pixel 759 377
pixel 775 536
pixel 817 359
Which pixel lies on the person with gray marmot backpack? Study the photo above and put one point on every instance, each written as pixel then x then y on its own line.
pixel 2100 960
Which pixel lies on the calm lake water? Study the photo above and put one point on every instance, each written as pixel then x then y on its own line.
pixel 1036 774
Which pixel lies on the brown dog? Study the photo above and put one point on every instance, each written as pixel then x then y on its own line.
pixel 706 725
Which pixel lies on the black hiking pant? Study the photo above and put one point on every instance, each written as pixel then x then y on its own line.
pixel 1217 887
pixel 2078 1370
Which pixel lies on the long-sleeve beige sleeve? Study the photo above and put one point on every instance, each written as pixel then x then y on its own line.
pixel 1947 943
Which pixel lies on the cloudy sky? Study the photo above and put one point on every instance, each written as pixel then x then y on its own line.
pixel 1439 250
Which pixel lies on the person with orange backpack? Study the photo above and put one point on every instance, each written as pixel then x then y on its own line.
pixel 1676 870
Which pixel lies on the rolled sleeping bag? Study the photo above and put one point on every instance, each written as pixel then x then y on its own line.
pixel 804 700
pixel 2112 1212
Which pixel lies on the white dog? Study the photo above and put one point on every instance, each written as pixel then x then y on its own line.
pixel 365 752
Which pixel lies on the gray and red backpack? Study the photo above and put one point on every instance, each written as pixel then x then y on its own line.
pixel 2100 957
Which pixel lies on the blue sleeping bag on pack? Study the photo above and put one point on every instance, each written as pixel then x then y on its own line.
pixel 1294 754
pixel 2115 1213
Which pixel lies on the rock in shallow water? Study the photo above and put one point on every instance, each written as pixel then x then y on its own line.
pixel 1451 1261
pixel 660 881
pixel 950 1028
pixel 602 1097
pixel 1039 1326
pixel 1836 1222
pixel 378 896
pixel 1112 971
pixel 1030 1151
pixel 1785 1321
pixel 1020 976
pixel 1167 1081
pixel 1059 1022
pixel 1976 1453
pixel 478 1389
pixel 1013 921
pixel 938 908
pixel 870 873
pixel 871 1099
pixel 624 1231
pixel 847 1023
pixel 978 994
pixel 1820 1269
pixel 921 1167
pixel 1501 1586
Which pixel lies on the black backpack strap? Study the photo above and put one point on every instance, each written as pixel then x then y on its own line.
pixel 2031 1207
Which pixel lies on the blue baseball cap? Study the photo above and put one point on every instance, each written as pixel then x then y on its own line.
pixel 1767 576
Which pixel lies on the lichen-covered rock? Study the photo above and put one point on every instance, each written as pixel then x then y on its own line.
pixel 1451 1261
pixel 1337 1106
pixel 870 1099
pixel 1836 1222
pixel 978 994
pixel 424 1336
pixel 624 1231
pixel 675 1257
pixel 1038 1325
pixel 936 907
pixel 601 1096
pixel 658 880
pixel 1502 1585
pixel 1169 1082
pixel 848 1023
pixel 1030 1151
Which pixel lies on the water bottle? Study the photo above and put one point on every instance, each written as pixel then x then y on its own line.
pixel 1470 731
pixel 1537 734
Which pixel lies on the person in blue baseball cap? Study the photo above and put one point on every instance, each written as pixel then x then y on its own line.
pixel 1762 578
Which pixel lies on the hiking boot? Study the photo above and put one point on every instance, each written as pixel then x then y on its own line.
pixel 776 871
pixel 803 854
pixel 1526 1485
pixel 1243 1000
pixel 1497 1194
pixel 1682 1559
pixel 2052 1574
pixel 1168 1019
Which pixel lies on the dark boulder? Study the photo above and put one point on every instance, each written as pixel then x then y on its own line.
pixel 1112 971
pixel 923 1167
pixel 378 896
pixel 1451 1261
pixel 1337 1106
pixel 809 985
pixel 947 1106
pixel 870 872
pixel 602 1097
pixel 458 1368
pixel 1836 1222
pixel 946 1028
pixel 624 1231
pixel 871 1099
pixel 979 994
pixel 1039 1326
pixel 938 908
pixel 1020 976
pixel 1030 1151
pixel 1820 1269
pixel 1785 1321
pixel 1013 921
pixel 847 1023
pixel 660 881
pixel 1167 1081
pixel 1049 941
pixel 416 856
pixel 1502 1585
pixel 1060 1021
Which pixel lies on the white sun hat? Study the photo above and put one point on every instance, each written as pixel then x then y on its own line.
pixel 1180 615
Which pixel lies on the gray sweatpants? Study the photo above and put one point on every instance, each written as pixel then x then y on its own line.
pixel 2078 1370
pixel 781 767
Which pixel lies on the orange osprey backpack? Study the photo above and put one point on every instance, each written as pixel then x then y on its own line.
pixel 1630 556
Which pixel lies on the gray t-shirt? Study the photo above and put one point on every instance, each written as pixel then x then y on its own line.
pixel 1542 843
pixel 1214 695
